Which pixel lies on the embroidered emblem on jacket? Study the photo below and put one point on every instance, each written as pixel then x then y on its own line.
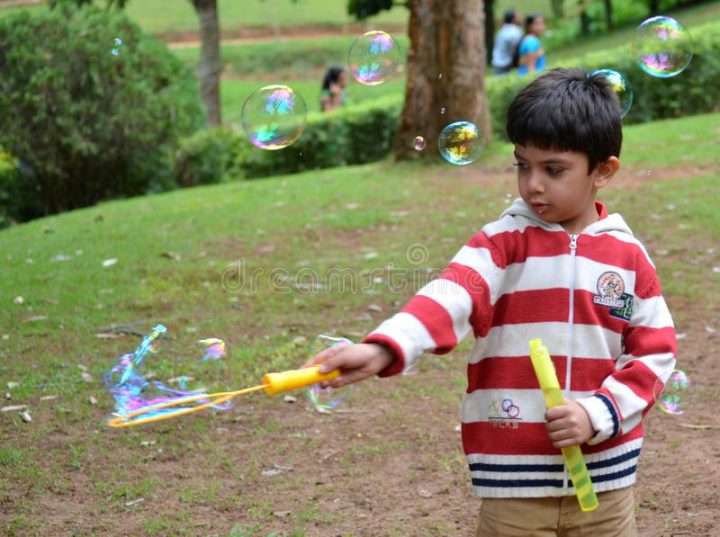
pixel 504 414
pixel 610 288
pixel 611 293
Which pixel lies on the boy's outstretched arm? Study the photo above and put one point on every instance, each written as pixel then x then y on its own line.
pixel 355 362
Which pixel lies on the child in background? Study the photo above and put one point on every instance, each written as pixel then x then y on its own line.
pixel 555 265
pixel 332 94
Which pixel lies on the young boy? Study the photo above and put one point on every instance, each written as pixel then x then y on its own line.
pixel 555 265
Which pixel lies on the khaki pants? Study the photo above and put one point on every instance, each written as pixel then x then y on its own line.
pixel 559 517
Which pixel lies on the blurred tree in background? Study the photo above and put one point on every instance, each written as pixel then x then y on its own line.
pixel 445 69
pixel 210 66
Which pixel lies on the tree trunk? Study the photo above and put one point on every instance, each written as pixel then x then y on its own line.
pixel 489 11
pixel 210 66
pixel 445 74
pixel 558 9
pixel 608 14
pixel 584 23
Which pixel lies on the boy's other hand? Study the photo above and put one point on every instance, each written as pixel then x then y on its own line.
pixel 355 362
pixel 568 425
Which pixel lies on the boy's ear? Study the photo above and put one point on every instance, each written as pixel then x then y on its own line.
pixel 604 171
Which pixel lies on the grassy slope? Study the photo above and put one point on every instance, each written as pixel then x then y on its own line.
pixel 211 226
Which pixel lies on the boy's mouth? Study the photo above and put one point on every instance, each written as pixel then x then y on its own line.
pixel 539 208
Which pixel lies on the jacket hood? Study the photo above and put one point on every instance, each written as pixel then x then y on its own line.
pixel 607 222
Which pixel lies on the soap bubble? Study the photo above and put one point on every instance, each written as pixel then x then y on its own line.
pixel 273 117
pixel 117 46
pixel 325 399
pixel 214 348
pixel 419 143
pixel 662 47
pixel 374 57
pixel 461 143
pixel 672 397
pixel 619 85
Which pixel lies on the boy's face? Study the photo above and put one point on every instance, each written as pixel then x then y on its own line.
pixel 557 187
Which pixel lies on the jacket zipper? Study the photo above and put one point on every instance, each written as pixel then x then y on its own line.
pixel 571 312
pixel 571 322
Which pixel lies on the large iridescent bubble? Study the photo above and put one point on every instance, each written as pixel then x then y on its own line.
pixel 461 143
pixel 326 399
pixel 672 397
pixel 662 47
pixel 374 57
pixel 620 85
pixel 273 117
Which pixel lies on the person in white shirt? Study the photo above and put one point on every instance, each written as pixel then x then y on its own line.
pixel 506 41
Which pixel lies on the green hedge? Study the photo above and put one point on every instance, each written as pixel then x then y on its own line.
pixel 365 133
pixel 346 136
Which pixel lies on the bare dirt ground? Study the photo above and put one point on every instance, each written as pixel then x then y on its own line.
pixel 260 34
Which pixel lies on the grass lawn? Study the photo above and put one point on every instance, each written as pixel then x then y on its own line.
pixel 156 16
pixel 239 261
pixel 234 92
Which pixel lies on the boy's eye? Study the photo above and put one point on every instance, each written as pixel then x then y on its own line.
pixel 520 165
pixel 555 171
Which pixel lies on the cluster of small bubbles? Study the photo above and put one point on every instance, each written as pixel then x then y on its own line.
pixel 273 117
pixel 620 85
pixel 671 397
pixel 117 46
pixel 461 143
pixel 374 57
pixel 662 47
pixel 419 143
pixel 326 399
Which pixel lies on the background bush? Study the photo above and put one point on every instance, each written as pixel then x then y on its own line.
pixel 83 123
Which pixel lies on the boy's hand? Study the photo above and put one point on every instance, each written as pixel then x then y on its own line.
pixel 355 362
pixel 568 425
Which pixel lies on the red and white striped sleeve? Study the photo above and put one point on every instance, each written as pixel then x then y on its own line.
pixel 646 363
pixel 442 313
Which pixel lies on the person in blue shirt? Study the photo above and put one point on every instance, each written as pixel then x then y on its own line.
pixel 530 52
pixel 506 41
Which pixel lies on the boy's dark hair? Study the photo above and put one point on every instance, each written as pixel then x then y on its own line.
pixel 509 16
pixel 567 110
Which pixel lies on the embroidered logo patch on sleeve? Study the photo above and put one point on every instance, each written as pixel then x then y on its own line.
pixel 611 293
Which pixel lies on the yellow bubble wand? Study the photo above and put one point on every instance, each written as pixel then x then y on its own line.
pixel 273 383
pixel 573 457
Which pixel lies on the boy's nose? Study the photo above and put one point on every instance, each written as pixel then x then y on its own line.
pixel 535 183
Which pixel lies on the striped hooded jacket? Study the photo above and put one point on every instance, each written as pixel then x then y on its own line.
pixel 594 299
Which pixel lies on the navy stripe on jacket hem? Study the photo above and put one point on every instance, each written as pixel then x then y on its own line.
pixel 521 483
pixel 488 467
pixel 615 475
pixel 614 460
